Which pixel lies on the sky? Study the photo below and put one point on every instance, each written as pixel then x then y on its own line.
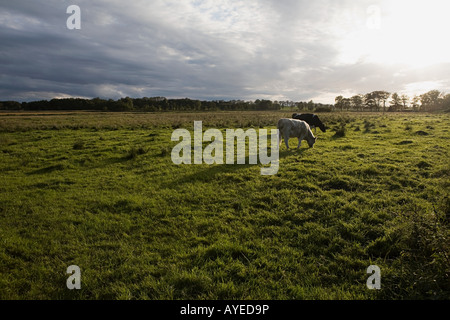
pixel 296 50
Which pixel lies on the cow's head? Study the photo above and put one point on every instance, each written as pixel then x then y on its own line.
pixel 319 124
pixel 311 142
pixel 322 127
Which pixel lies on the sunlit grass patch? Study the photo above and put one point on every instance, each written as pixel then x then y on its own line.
pixel 104 194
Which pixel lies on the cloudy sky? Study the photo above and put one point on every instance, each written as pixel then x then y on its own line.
pixel 223 49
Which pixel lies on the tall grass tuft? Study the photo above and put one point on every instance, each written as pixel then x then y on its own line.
pixel 133 152
pixel 340 131
pixel 78 145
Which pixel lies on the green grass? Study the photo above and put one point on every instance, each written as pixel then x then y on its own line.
pixel 99 190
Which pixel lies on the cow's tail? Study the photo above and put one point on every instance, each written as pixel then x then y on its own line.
pixel 280 124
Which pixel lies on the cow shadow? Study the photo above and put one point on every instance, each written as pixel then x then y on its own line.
pixel 208 173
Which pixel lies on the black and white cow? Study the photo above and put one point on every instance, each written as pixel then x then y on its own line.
pixel 293 128
pixel 312 119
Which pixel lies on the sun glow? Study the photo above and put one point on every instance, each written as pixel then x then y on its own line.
pixel 410 33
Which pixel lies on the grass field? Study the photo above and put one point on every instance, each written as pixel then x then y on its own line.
pixel 100 191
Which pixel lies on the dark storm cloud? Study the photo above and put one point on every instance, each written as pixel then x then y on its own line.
pixel 209 49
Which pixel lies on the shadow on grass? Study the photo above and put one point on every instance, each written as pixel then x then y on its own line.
pixel 48 169
pixel 211 172
pixel 114 160
pixel 62 167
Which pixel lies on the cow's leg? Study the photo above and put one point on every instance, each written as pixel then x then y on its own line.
pixel 299 143
pixel 280 137
pixel 286 140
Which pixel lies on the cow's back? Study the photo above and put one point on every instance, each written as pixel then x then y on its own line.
pixel 284 123
pixel 308 117
pixel 293 127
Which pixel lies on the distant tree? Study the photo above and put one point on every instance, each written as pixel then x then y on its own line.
pixel 288 103
pixel 446 103
pixel 384 95
pixel 357 102
pixel 346 103
pixel 415 103
pixel 301 106
pixel 10 105
pixel 373 101
pixel 405 100
pixel 369 101
pixel 127 104
pixel 263 104
pixel 123 104
pixel 431 100
pixel 338 102
pixel 396 102
pixel 380 97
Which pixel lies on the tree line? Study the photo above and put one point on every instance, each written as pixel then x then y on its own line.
pixel 157 104
pixel 375 101
pixel 433 100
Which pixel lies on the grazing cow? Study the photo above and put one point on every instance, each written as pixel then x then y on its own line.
pixel 293 128
pixel 312 119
